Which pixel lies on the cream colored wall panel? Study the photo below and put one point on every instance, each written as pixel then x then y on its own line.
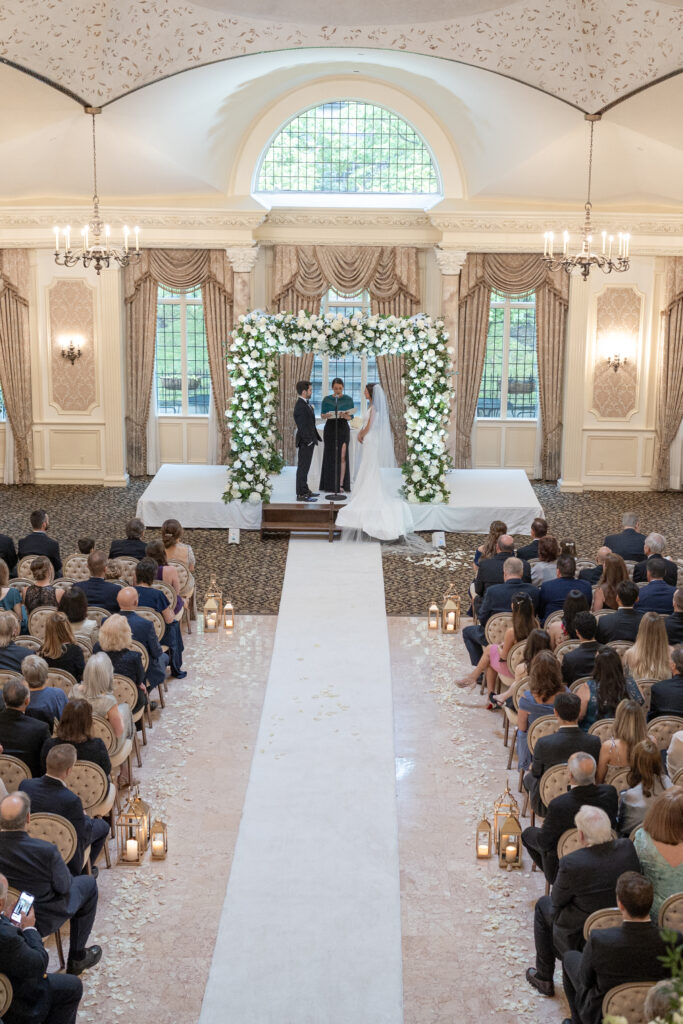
pixel 75 449
pixel 38 448
pixel 197 441
pixel 520 446
pixel 648 456
pixel 488 445
pixel 171 448
pixel 610 455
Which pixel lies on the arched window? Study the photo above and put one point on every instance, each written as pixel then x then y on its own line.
pixel 348 147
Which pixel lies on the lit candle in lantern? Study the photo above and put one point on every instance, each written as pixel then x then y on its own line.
pixel 510 852
pixel 158 846
pixel 131 849
pixel 450 622
pixel 211 620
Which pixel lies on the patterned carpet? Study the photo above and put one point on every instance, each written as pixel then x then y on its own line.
pixel 252 572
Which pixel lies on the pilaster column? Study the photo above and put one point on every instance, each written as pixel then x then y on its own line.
pixel 242 259
pixel 450 263
pixel 112 358
pixel 575 386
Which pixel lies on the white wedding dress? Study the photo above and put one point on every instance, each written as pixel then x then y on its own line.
pixel 374 509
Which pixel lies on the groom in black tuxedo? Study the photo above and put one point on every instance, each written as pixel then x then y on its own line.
pixel 307 438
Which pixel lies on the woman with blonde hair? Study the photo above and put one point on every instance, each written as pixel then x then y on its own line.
pixel 659 845
pixel 59 648
pixel 487 550
pixel 646 781
pixel 97 689
pixel 650 656
pixel 116 640
pixel 41 592
pixel 614 572
pixel 629 730
pixel 172 539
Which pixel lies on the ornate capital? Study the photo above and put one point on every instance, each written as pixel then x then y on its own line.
pixel 242 257
pixel 450 261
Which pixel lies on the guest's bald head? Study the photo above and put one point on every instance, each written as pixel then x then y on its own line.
pixel 603 552
pixel 127 598
pixel 14 813
pixel 506 543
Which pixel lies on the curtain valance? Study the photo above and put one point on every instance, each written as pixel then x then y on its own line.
pixel 181 270
pixel 511 273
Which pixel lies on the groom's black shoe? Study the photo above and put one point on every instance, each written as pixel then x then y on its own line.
pixel 312 494
pixel 306 497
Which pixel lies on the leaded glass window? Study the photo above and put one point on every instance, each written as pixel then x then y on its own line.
pixel 181 371
pixel 355 370
pixel 509 383
pixel 348 146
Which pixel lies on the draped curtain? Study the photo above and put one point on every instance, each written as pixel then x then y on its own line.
pixel 15 358
pixel 180 270
pixel 670 392
pixel 512 274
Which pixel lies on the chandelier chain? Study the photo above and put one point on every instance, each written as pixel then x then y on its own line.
pixel 94 157
pixel 590 164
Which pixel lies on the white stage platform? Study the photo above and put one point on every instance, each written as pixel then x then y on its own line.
pixel 192 494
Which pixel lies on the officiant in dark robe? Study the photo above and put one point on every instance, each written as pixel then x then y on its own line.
pixel 336 409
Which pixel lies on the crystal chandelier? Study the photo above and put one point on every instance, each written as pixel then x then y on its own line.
pixel 586 258
pixel 96 250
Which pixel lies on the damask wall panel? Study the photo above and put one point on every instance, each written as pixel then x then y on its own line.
pixel 617 330
pixel 71 314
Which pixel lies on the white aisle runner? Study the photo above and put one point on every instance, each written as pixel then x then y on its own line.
pixel 310 930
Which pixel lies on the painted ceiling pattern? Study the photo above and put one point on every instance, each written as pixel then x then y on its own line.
pixel 587 52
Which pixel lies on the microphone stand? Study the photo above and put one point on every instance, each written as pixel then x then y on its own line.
pixel 336 495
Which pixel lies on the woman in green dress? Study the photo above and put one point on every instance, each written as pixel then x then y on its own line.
pixel 336 435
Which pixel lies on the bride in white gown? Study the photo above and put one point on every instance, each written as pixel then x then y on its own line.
pixel 374 507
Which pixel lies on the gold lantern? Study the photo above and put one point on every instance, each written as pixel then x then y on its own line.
pixel 212 607
pixel 504 807
pixel 484 839
pixel 510 849
pixel 450 616
pixel 142 809
pixel 130 835
pixel 433 616
pixel 159 840
pixel 228 616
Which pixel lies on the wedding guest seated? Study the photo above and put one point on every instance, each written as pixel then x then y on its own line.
pixel 97 689
pixel 76 727
pixel 143 632
pixel 629 730
pixel 538 640
pixel 116 640
pixel 20 735
pixel 541 843
pixel 666 698
pixel 629 543
pixel 558 747
pixel 74 604
pixel 545 683
pixel 112 571
pixel 148 597
pixel 38 543
pixel 50 795
pixel 539 529
pixel 498 598
pixel 176 550
pixel 580 662
pixel 491 571
pixel 8 553
pixel 661 1000
pixel 10 598
pixel 35 866
pixel 85 545
pixel 133 546
pixel 41 592
pixel 49 699
pixel 493 660
pixel 626 954
pixel 674 754
pixel 37 997
pixel 11 654
pixel 624 623
pixel 165 572
pixel 546 567
pixel 659 845
pixel 614 572
pixel 656 595
pixel 603 692
pixel 649 657
pixel 646 781
pixel 674 622
pixel 59 648
pixel 568 547
pixel 565 628
pixel 488 549
pixel 98 591
pixel 586 881
pixel 655 546
pixel 554 592
pixel 594 575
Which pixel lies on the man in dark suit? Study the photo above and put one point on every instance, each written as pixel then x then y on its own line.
pixel 490 570
pixel 624 622
pixel 8 553
pixel 100 592
pixel 593 576
pixel 674 622
pixel 307 437
pixel 586 881
pixel 51 794
pixel 35 866
pixel 21 736
pixel 37 997
pixel 629 953
pixel 539 528
pixel 38 543
pixel 666 698
pixel 559 746
pixel 133 546
pixel 554 592
pixel 542 842
pixel 580 662
pixel 655 546
pixel 629 543
pixel 143 632
pixel 656 595
pixel 11 654
pixel 498 598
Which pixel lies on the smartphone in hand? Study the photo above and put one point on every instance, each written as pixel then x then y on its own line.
pixel 23 908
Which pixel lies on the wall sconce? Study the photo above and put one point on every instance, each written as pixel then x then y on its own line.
pixel 616 361
pixel 70 351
